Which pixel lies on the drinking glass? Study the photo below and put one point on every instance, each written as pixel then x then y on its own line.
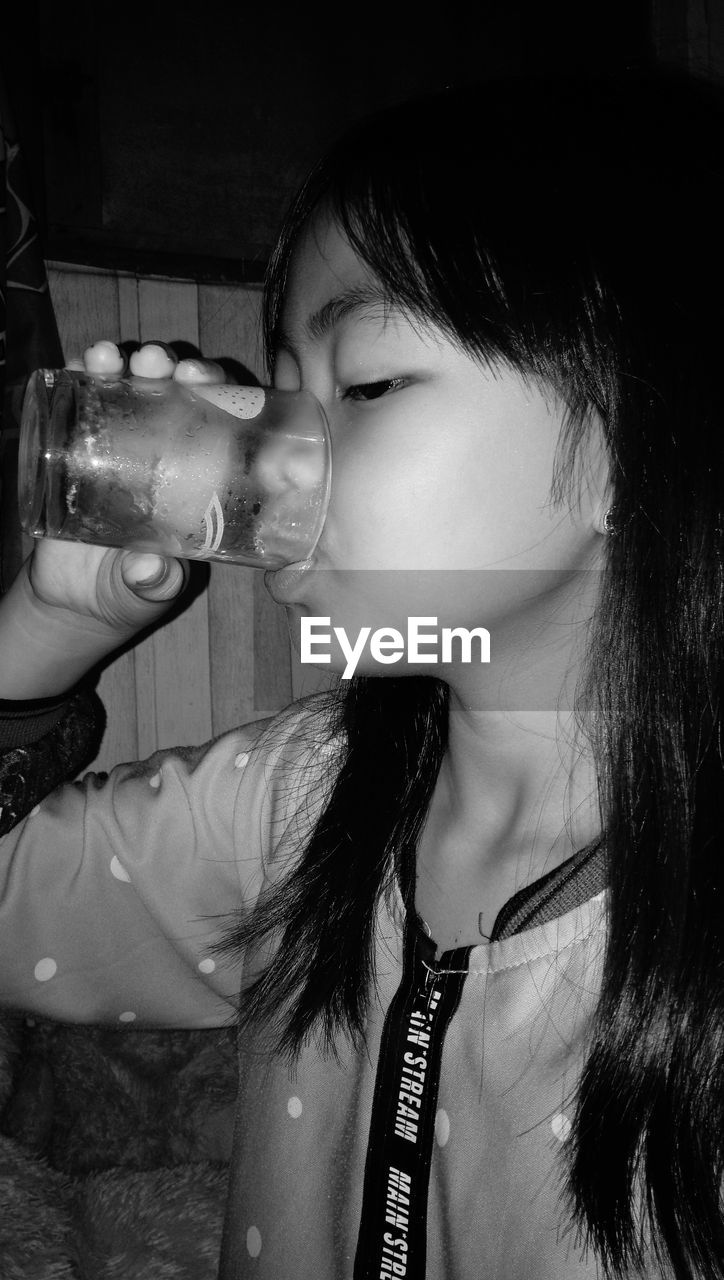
pixel 235 474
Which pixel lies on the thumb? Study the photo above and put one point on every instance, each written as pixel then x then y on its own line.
pixel 153 577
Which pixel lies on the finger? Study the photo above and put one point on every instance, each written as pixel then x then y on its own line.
pixel 103 358
pixel 153 360
pixel 153 577
pixel 207 372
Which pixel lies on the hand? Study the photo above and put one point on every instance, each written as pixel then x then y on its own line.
pixel 123 590
pixel 72 603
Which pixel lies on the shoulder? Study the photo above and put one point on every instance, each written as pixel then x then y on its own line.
pixel 305 729
pixel 271 748
pixel 272 775
pixel 291 762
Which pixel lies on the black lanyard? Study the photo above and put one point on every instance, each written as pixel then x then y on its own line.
pixel 392 1242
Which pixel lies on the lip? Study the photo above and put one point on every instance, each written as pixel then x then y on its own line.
pixel 282 583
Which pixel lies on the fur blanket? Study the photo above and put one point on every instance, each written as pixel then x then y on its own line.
pixel 114 1149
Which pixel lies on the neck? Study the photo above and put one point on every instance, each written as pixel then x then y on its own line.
pixel 520 779
pixel 517 793
pixel 515 797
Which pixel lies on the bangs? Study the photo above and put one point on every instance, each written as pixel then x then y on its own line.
pixel 435 199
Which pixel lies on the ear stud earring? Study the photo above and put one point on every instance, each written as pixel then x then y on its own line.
pixel 610 527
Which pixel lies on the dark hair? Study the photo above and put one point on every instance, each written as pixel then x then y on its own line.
pixel 573 229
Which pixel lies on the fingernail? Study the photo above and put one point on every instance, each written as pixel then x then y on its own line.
pixel 153 360
pixel 150 571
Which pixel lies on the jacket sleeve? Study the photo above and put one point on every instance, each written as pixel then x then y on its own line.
pixel 42 744
pixel 115 890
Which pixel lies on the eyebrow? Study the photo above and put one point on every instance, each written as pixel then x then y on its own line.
pixel 353 301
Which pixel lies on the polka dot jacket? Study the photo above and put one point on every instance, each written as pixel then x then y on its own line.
pixel 435 1149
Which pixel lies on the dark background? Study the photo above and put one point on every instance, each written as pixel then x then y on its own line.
pixel 170 140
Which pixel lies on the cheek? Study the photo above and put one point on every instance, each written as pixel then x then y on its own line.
pixel 460 489
pixel 369 505
pixel 435 512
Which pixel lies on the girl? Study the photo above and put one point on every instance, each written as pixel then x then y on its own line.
pixel 476 905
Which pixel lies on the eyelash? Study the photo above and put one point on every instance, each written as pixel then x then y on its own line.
pixel 356 392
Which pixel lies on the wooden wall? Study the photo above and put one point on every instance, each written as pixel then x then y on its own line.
pixel 227 658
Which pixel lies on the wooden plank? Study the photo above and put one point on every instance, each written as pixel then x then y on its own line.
pixel 230 330
pixel 231 645
pixel 183 699
pixel 86 307
pixel 173 691
pixel 117 690
pixel 173 704
pixel 168 311
pixel 272 652
pixel 128 311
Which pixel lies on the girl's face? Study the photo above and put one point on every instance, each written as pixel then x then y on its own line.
pixel 439 464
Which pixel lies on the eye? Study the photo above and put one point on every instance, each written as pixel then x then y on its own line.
pixel 373 390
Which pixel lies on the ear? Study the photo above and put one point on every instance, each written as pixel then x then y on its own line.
pixel 597 479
